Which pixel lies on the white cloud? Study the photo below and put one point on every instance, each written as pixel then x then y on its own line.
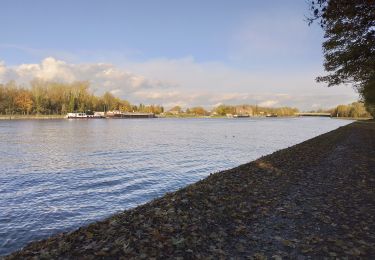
pixel 49 69
pixel 3 69
pixel 268 103
pixel 103 77
pixel 186 82
pixel 316 106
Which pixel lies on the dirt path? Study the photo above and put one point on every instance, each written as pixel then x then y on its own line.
pixel 312 200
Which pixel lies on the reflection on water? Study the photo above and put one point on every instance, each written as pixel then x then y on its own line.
pixel 57 175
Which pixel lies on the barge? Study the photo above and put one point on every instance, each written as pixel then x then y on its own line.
pixel 119 115
pixel 96 115
pixel 109 114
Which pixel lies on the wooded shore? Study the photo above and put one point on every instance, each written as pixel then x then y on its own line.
pixel 312 200
pixel 30 117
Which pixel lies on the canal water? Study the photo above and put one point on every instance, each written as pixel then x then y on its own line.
pixel 56 175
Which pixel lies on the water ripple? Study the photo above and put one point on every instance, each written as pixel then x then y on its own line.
pixel 59 174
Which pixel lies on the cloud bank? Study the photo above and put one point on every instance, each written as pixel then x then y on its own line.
pixel 186 82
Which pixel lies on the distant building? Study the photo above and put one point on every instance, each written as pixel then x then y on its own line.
pixel 119 114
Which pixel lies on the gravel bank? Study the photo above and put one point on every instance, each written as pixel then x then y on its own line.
pixel 315 199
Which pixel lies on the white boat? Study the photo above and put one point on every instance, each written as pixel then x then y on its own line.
pixel 96 115
pixel 76 115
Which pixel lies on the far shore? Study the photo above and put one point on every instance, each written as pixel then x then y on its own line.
pixel 30 117
pixel 46 117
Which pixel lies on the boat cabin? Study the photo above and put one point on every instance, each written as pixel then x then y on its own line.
pixel 76 115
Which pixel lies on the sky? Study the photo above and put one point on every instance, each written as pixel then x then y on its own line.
pixel 187 53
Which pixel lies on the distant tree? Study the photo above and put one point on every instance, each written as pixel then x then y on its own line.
pixel 244 109
pixel 176 109
pixel 10 92
pixel 141 107
pixel 72 103
pixel 125 106
pixel 23 101
pixel 354 110
pixel 44 97
pixel 342 111
pixel 83 95
pixel 39 93
pixel 349 47
pixel 156 109
pixel 199 111
pixel 2 98
pixel 109 101
pixel 222 110
pixel 134 108
pixel 357 110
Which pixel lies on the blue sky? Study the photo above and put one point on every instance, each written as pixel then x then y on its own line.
pixel 171 52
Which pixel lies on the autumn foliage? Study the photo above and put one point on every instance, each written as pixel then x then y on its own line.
pixel 60 98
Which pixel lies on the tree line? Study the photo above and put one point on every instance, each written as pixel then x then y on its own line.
pixel 353 110
pixel 44 97
pixel 60 98
pixel 254 110
pixel 224 110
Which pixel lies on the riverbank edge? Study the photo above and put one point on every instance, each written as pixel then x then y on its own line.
pixel 123 234
pixel 54 117
pixel 42 117
pixel 31 117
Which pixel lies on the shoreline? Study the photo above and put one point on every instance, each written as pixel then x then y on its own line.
pixel 54 117
pixel 30 117
pixel 313 199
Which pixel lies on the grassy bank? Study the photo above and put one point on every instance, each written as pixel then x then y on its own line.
pixel 29 117
pixel 315 199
